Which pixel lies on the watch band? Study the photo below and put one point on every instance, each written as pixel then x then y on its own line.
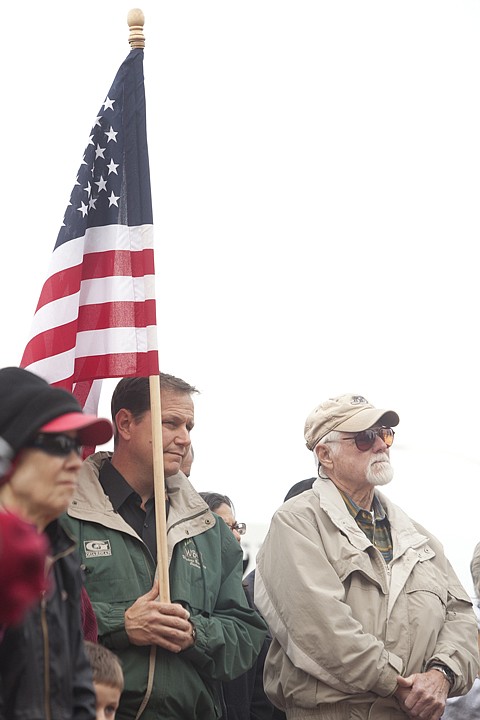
pixel 194 632
pixel 445 670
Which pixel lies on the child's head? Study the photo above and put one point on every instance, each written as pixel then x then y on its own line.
pixel 107 679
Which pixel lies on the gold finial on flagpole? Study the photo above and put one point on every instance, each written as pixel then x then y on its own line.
pixel 136 21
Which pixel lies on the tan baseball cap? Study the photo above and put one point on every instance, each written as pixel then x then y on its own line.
pixel 347 413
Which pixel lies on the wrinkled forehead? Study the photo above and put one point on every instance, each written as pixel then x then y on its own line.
pixel 180 404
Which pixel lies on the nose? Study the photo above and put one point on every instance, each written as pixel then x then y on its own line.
pixel 74 460
pixel 236 535
pixel 183 437
pixel 380 445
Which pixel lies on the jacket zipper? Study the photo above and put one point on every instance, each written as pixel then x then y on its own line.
pixel 46 659
pixel 44 623
pixel 187 519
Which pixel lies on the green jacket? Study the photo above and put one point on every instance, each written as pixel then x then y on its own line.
pixel 205 568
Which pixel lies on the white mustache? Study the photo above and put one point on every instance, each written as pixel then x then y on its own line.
pixel 381 457
pixel 379 470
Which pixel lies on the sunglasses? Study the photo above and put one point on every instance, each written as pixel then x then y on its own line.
pixel 365 440
pixel 241 528
pixel 56 444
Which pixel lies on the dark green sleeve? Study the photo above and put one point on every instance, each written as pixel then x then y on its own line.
pixel 230 638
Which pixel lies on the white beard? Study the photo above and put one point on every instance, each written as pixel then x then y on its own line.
pixel 379 471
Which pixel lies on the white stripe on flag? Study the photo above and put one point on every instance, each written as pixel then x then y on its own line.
pixel 55 368
pixel 116 288
pixel 100 290
pixel 115 340
pixel 111 341
pixel 101 239
pixel 90 406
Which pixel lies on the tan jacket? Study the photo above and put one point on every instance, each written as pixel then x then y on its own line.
pixel 344 624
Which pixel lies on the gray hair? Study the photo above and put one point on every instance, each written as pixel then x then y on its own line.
pixel 330 437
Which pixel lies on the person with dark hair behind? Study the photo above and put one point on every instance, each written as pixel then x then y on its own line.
pixel 249 587
pixel 244 697
pixel 222 505
pixel 299 488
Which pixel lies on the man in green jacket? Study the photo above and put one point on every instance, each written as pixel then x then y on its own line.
pixel 174 654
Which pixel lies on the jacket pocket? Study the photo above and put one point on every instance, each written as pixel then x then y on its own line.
pixel 426 600
pixel 425 579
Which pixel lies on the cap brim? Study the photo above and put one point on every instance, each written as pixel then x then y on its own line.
pixel 91 429
pixel 367 418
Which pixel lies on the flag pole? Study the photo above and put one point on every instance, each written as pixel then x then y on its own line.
pixel 136 39
pixel 159 490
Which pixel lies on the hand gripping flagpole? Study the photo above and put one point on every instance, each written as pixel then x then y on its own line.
pixel 136 20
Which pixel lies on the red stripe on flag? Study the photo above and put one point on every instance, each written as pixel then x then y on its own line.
pixel 91 317
pixel 118 365
pixel 116 314
pixel 98 367
pixel 118 262
pixel 60 284
pixel 110 263
pixel 82 391
pixel 51 342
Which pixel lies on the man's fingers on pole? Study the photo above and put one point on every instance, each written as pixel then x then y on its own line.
pixel 174 609
pixel 152 594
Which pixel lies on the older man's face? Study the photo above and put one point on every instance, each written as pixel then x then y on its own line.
pixel 358 467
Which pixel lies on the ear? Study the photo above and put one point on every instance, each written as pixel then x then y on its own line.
pixel 6 456
pixel 123 422
pixel 323 455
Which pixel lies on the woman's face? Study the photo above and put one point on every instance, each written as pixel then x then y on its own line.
pixel 225 512
pixel 43 484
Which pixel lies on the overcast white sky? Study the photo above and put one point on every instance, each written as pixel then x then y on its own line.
pixel 316 180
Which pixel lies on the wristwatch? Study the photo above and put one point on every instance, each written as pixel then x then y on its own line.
pixel 194 632
pixel 445 670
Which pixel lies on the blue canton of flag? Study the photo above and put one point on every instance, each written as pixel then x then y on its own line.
pixel 113 182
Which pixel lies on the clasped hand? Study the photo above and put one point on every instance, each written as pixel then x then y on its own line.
pixel 423 695
pixel 150 622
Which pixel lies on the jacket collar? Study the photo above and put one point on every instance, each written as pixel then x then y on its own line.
pixel 189 514
pixel 405 534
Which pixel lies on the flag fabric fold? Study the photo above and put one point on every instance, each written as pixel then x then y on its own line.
pixel 96 316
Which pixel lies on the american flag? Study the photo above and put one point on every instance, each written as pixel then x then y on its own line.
pixel 96 316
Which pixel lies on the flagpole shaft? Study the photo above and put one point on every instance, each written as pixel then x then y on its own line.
pixel 159 490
